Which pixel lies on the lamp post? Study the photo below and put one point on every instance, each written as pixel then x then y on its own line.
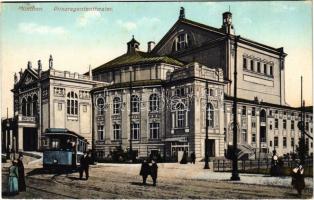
pixel 235 174
pixel 206 134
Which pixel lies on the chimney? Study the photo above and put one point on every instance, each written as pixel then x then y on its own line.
pixel 150 46
pixel 90 73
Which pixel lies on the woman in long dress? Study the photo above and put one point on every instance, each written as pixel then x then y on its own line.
pixel 21 178
pixel 13 179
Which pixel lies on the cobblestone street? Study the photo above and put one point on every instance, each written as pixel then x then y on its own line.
pixel 174 181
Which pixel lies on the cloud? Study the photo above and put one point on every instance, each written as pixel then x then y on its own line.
pixel 129 25
pixel 88 17
pixel 31 28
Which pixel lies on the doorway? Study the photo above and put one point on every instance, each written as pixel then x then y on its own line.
pixel 30 139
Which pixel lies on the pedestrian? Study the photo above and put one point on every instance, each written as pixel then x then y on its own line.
pixel 193 157
pixel 154 172
pixel 21 179
pixel 184 159
pixel 13 187
pixel 298 179
pixel 145 170
pixel 84 165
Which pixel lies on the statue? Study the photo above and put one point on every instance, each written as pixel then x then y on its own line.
pixel 29 65
pixel 15 78
pixel 39 65
pixel 50 62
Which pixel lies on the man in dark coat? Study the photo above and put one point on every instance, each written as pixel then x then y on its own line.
pixel 145 171
pixel 21 177
pixel 154 170
pixel 298 179
pixel 85 161
pixel 193 157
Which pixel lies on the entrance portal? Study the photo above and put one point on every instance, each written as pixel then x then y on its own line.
pixel 30 139
pixel 211 148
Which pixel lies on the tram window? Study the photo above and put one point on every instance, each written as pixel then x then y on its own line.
pixel 55 143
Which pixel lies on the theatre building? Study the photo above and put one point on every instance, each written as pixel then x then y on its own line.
pixel 163 99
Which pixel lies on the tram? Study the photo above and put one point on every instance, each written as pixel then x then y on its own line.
pixel 64 149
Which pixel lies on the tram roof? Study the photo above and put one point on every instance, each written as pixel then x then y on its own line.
pixel 62 131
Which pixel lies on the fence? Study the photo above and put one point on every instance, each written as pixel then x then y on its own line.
pixel 261 166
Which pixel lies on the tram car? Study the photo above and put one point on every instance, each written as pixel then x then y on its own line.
pixel 64 149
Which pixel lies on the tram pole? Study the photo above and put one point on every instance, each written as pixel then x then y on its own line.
pixel 206 134
pixel 235 174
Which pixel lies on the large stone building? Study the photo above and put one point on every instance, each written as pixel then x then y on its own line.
pixel 158 101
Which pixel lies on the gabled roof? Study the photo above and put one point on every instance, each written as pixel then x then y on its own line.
pixel 27 71
pixel 138 57
pixel 217 31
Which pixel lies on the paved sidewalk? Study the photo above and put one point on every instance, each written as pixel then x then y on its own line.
pixel 196 172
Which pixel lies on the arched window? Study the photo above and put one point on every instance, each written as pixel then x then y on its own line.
pixel 35 111
pixel 72 103
pixel 135 101
pixel 210 115
pixel 24 105
pixel 182 41
pixel 116 105
pixel 100 106
pixel 29 106
pixel 153 103
pixel 180 115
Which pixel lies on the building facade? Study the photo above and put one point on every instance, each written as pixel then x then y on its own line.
pixel 160 101
pixel 48 99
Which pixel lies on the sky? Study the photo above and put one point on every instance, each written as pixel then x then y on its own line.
pixel 82 38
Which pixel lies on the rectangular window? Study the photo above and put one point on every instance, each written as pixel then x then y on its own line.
pixel 116 132
pixel 270 127
pixel 252 65
pixel 284 124
pixel 284 142
pixel 244 135
pixel 253 111
pixel 271 70
pixel 292 125
pixel 265 68
pixel 100 130
pixel 253 137
pixel 243 110
pixel 276 123
pixel 270 143
pixel 253 124
pixel 244 63
pixel 154 130
pixel 307 127
pixel 84 108
pixel 292 142
pixel 276 141
pixel 258 67
pixel 135 131
pixel 270 113
pixel 59 106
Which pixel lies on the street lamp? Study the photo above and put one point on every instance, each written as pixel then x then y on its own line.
pixel 131 150
pixel 235 174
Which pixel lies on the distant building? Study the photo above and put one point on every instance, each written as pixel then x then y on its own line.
pixel 160 98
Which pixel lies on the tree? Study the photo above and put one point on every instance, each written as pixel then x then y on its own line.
pixel 302 150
